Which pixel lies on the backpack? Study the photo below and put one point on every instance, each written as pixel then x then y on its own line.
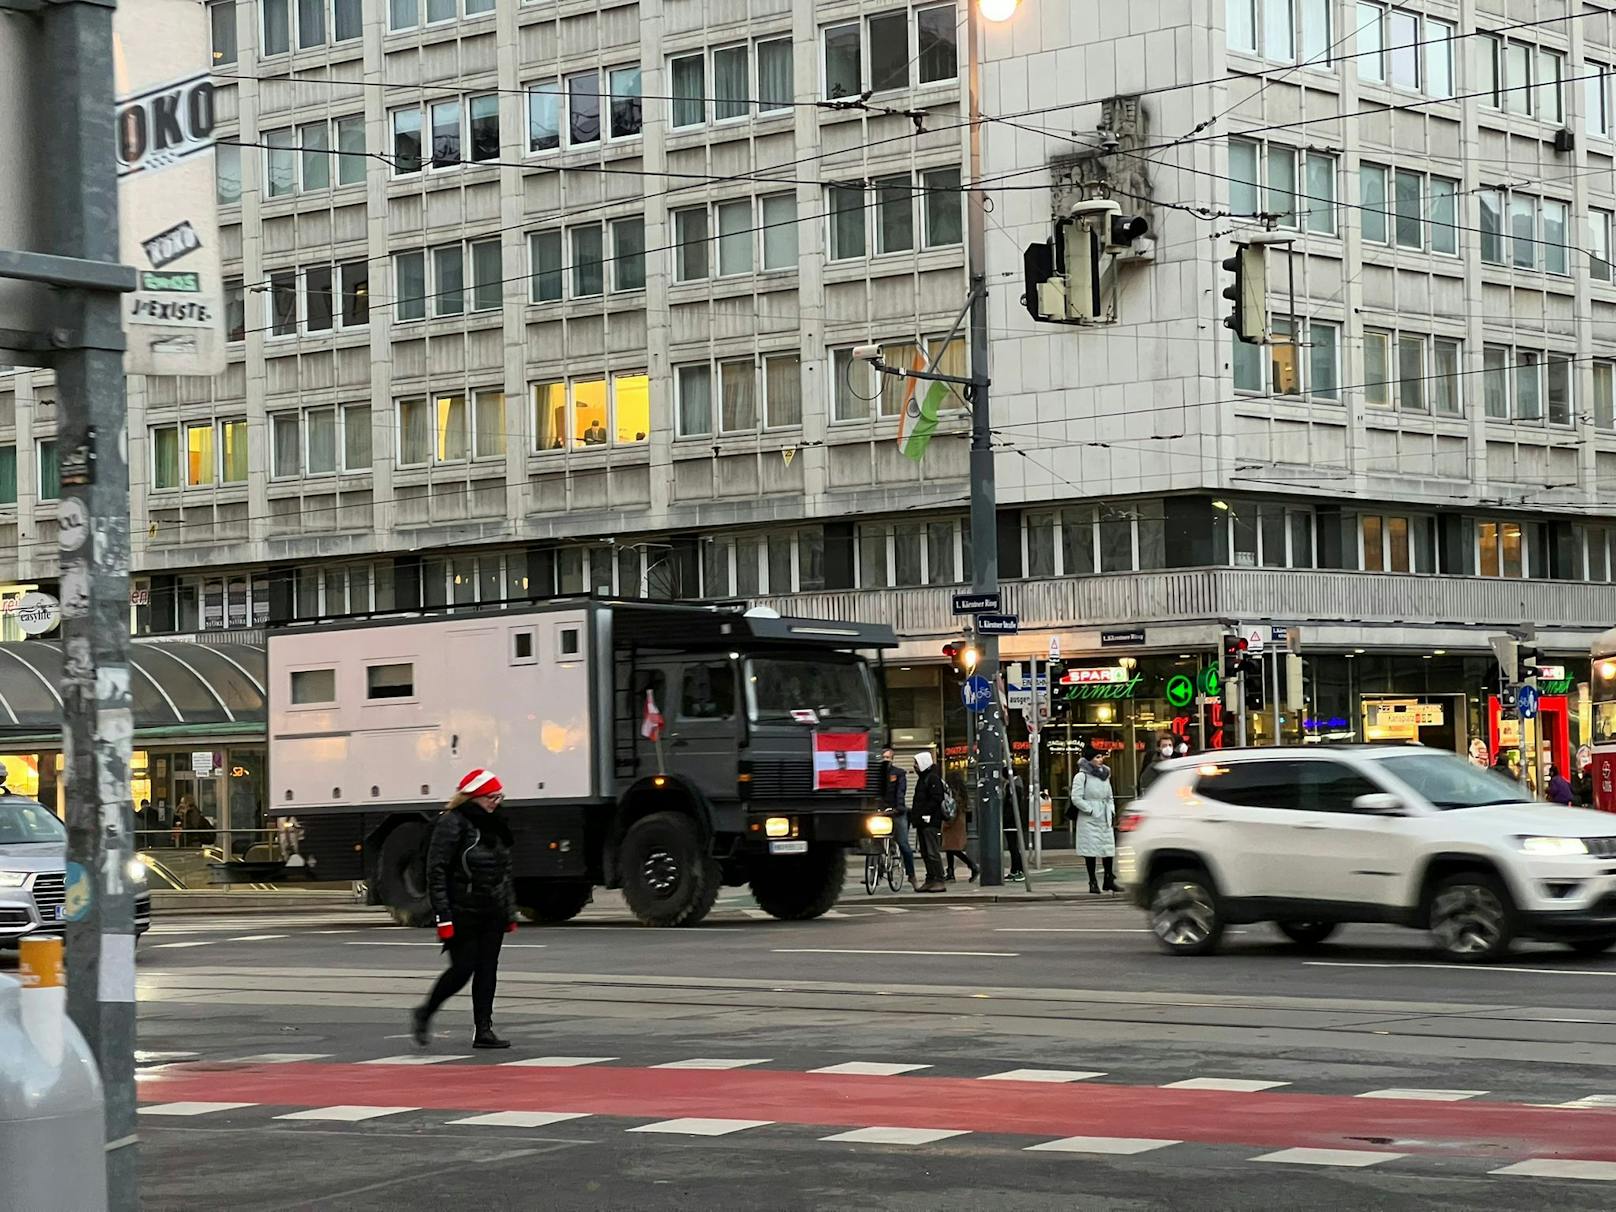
pixel 950 808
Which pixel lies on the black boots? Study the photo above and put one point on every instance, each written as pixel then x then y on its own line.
pixel 420 1026
pixel 485 1038
pixel 1111 876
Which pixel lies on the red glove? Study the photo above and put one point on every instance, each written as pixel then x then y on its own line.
pixel 510 927
pixel 445 931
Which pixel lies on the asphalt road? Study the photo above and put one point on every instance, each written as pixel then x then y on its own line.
pixel 964 1043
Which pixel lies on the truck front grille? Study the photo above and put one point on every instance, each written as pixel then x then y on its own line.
pixel 791 778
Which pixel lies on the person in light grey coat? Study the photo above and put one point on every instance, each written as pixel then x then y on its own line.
pixel 1097 812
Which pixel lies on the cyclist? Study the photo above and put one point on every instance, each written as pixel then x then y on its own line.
pixel 895 796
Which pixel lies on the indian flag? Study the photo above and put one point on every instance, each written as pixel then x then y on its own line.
pixel 918 419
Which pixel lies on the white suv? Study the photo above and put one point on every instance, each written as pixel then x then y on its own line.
pixel 1311 838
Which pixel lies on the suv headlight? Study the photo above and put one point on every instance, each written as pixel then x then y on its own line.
pixel 137 870
pixel 12 879
pixel 1556 847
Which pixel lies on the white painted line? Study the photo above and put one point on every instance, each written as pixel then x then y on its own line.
pixel 869 1069
pixel 414 1059
pixel 188 1109
pixel 756 913
pixel 255 938
pixel 1123 1145
pixel 367 943
pixel 521 1119
pixel 346 1114
pixel 1591 1102
pixel 1608 973
pixel 1230 1085
pixel 143 1057
pixel 961 908
pixel 713 1062
pixel 1425 1096
pixel 278 1058
pixel 1329 1157
pixel 702 1127
pixel 893 1136
pixel 1070 930
pixel 1555 1167
pixel 888 909
pixel 555 1062
pixel 1041 1075
pixel 203 942
pixel 835 913
pixel 888 951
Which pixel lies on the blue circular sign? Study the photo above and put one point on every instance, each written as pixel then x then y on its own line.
pixel 977 692
pixel 1526 701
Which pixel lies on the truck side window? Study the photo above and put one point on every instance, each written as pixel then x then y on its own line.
pixel 707 692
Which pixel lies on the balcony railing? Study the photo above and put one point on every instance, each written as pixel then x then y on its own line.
pixel 1207 594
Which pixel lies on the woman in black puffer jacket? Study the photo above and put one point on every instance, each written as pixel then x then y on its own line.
pixel 468 873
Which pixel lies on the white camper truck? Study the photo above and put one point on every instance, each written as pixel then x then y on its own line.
pixel 765 770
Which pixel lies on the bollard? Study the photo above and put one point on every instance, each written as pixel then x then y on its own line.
pixel 52 1124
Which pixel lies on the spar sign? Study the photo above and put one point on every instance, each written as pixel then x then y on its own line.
pixel 168 224
pixel 841 760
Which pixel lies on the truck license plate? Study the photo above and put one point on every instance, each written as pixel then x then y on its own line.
pixel 788 847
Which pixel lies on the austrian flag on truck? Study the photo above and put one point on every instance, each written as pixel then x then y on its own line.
pixel 841 760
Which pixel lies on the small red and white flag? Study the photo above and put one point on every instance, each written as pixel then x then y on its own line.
pixel 651 724
pixel 841 760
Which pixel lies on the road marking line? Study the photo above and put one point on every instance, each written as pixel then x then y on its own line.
pixel 521 1119
pixel 555 1062
pixel 961 908
pixel 427 943
pixel 835 913
pixel 1123 1145
pixel 1427 1096
pixel 757 913
pixel 1471 968
pixel 143 1057
pixel 346 1114
pixel 714 1062
pixel 193 1108
pixel 1229 1085
pixel 1329 1157
pixel 202 942
pixel 869 1068
pixel 255 938
pixel 889 951
pixel 415 1059
pixel 888 909
pixel 894 1136
pixel 1071 930
pixel 278 1058
pixel 1590 1102
pixel 1556 1167
pixel 702 1127
pixel 1040 1075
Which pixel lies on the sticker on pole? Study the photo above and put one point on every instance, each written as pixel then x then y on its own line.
pixel 841 760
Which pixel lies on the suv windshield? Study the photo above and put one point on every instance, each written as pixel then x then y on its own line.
pixel 23 821
pixel 1449 781
pixel 833 690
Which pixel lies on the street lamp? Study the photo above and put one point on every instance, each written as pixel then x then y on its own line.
pixel 998 10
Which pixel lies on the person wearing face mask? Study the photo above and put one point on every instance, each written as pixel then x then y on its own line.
pixel 1149 769
pixel 468 875
pixel 1096 822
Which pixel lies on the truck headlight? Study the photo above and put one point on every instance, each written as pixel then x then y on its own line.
pixel 777 826
pixel 12 879
pixel 880 826
pixel 1555 847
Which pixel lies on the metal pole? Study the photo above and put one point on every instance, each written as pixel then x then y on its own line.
pixel 984 492
pixel 79 179
pixel 1035 783
pixel 1279 735
pixel 1240 712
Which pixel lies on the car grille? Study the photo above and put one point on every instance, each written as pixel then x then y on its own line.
pixel 781 779
pixel 50 890
pixel 1601 847
pixel 10 917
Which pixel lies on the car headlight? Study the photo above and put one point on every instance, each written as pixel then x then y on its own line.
pixel 12 879
pixel 1554 846
pixel 137 870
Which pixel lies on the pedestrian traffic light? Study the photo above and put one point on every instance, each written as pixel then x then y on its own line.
pixel 1249 293
pixel 1235 657
pixel 1529 663
pixel 962 656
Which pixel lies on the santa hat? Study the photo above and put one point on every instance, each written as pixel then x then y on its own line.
pixel 481 782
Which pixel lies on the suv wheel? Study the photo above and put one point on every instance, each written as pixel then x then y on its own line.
pixel 1472 918
pixel 1307 934
pixel 1184 913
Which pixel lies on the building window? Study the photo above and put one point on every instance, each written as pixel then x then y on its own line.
pixel 588 261
pixel 875 56
pixel 627 117
pixel 694 390
pixel 775 89
pixel 1427 375
pixel 484 128
pixel 1604 385
pixel 885 218
pixel 1557 388
pixel 406 14
pixel 222 22
pixel 1519 78
pixel 1501 548
pixel 488 425
pixel 447 285
pixel 544 117
pixel 1310 367
pixel 165 457
pixel 583 109
pixel 455 126
pixel 227 173
pixel 690 262
pixel 779 231
pixel 628 254
pixel 735 237
pixel 1271 173
pixel 50 472
pixel 855 387
pixel 1599 235
pixel 544 270
pixel 590 412
pixel 1423 212
pixel 1492 226
pixel 1538 231
pixel 8 475
pixel 280 163
pixel 1597 99
pixel 1405 49
pixel 689 80
pixel 303 23
pixel 1282 30
pixel 782 391
pixel 406 125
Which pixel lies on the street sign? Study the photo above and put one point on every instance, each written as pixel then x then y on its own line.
pixel 1278 634
pixel 1180 690
pixel 998 624
pixel 1526 702
pixel 1018 693
pixel 1550 673
pixel 1122 637
pixel 977 693
pixel 1054 647
pixel 1255 638
pixel 976 603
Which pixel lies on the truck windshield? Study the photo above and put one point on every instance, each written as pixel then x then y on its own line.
pixel 23 821
pixel 778 688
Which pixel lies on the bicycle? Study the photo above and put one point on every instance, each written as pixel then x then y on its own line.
pixel 882 862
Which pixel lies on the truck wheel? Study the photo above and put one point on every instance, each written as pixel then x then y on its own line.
pixel 401 875
pixel 548 901
pixel 795 889
pixel 668 879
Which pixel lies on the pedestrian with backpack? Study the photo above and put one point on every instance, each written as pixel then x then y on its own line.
pixel 933 807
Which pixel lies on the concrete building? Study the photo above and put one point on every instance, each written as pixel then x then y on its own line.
pixel 539 298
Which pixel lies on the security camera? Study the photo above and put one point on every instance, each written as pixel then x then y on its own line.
pixel 867 353
pixel 1109 141
pixel 1094 210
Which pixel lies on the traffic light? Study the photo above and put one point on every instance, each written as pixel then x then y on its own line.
pixel 1079 252
pixel 962 656
pixel 1529 662
pixel 1249 293
pixel 1235 657
pixel 1125 229
pixel 1507 651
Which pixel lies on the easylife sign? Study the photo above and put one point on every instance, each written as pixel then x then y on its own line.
pixel 168 226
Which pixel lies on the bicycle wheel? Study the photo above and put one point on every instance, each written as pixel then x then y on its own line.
pixel 894 872
pixel 872 873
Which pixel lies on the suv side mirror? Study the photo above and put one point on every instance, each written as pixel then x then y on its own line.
pixel 1378 803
